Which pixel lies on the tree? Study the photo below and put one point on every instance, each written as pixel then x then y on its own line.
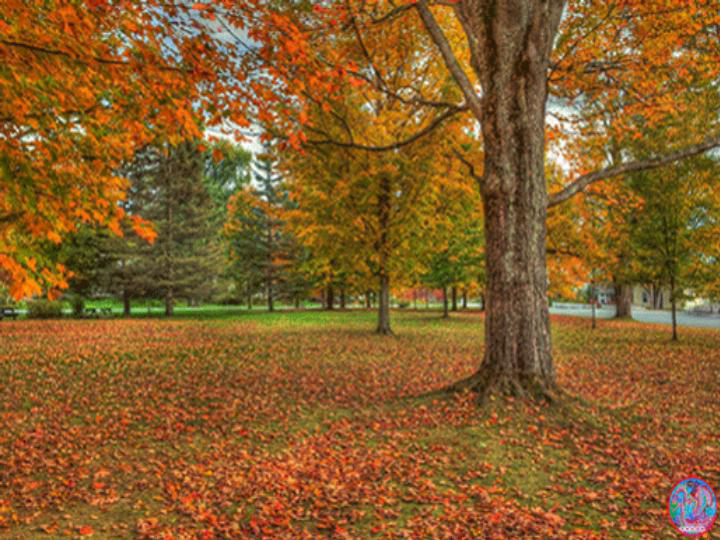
pixel 83 85
pixel 363 210
pixel 187 256
pixel 504 58
pixel 456 253
pixel 677 228
pixel 227 169
pixel 261 247
pixel 369 216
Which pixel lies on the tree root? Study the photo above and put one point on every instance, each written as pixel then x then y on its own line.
pixel 486 384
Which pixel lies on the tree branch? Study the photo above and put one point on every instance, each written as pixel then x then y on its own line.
pixel 437 35
pixel 469 165
pixel 394 146
pixel 585 180
pixel 56 52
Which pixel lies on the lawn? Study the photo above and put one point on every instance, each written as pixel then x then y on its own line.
pixel 306 425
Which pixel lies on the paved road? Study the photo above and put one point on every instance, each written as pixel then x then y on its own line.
pixel 641 315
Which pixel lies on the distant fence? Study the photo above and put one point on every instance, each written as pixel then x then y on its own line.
pixel 563 305
pixel 702 311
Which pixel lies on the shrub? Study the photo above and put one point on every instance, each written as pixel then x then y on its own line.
pixel 229 300
pixel 44 309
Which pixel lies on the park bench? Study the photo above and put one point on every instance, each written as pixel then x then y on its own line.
pixel 8 312
pixel 97 312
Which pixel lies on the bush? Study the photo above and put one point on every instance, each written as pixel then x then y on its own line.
pixel 44 309
pixel 229 300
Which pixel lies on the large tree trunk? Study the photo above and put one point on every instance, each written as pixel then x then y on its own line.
pixel 454 298
pixel 329 297
pixel 169 302
pixel 342 298
pixel 464 299
pixel 383 326
pixel 270 300
pixel 446 313
pixel 623 300
pixel 511 44
pixel 368 305
pixel 657 300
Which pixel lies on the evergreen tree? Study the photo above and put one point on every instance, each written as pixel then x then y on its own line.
pixel 187 256
pixel 262 250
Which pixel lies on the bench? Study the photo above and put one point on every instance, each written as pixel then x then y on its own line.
pixel 97 312
pixel 8 312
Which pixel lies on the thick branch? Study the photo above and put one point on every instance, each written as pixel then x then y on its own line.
pixel 451 62
pixel 56 52
pixel 394 146
pixel 585 180
pixel 9 218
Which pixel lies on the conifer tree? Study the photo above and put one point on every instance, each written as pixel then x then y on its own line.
pixel 187 256
pixel 262 250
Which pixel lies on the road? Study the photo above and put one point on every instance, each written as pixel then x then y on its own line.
pixel 639 314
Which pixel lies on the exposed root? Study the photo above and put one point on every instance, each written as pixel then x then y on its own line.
pixel 485 384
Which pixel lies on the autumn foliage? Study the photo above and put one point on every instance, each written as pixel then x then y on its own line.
pixel 311 427
pixel 83 85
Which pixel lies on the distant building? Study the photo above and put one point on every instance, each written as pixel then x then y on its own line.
pixel 605 294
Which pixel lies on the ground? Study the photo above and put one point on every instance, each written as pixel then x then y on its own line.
pixel 307 425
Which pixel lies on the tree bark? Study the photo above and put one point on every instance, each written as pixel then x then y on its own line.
pixel 446 313
pixel 271 304
pixel 329 297
pixel 126 302
pixel 623 300
pixel 169 302
pixel 454 298
pixel 510 49
pixel 673 305
pixel 383 212
pixel 342 298
pixel 383 326
pixel 464 299
pixel 297 301
pixel 368 305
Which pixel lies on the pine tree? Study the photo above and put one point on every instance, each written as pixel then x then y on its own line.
pixel 186 258
pixel 261 248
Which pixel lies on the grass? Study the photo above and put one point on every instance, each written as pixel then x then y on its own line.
pixel 306 425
